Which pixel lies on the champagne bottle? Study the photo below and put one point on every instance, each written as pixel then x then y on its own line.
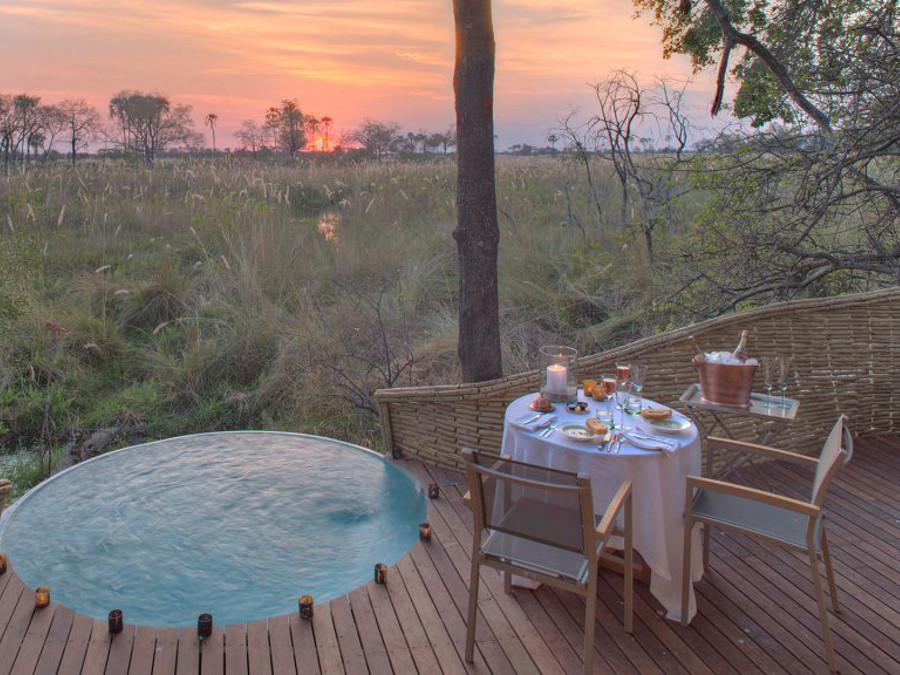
pixel 740 352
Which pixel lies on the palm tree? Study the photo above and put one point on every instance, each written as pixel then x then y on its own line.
pixel 210 121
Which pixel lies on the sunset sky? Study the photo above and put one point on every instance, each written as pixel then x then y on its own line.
pixel 349 59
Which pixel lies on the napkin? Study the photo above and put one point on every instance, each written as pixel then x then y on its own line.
pixel 667 447
pixel 540 423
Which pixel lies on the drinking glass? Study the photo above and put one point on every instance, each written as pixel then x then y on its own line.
pixel 622 393
pixel 634 404
pixel 609 390
pixel 784 370
pixel 623 373
pixel 770 368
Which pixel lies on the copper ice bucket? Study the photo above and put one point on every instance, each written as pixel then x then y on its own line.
pixel 726 383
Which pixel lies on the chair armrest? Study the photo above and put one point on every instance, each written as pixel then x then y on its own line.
pixel 467 498
pixel 774 453
pixel 607 523
pixel 752 493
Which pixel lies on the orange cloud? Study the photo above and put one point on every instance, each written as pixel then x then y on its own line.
pixel 349 59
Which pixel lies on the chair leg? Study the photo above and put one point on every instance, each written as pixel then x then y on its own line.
pixel 473 612
pixel 629 569
pixel 829 570
pixel 507 582
pixel 706 537
pixel 686 566
pixel 823 610
pixel 590 622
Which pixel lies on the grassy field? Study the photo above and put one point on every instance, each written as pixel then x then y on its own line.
pixel 220 295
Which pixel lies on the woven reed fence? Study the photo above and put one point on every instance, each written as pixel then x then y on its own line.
pixel 846 353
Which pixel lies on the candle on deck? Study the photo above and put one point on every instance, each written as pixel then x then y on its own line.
pixel 557 379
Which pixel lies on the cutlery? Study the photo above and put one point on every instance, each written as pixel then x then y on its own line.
pixel 654 439
pixel 534 418
pixel 612 443
pixel 605 441
pixel 542 427
pixel 548 430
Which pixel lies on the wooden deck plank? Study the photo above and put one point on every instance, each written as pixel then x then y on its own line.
pixel 55 643
pixel 97 650
pixel 76 646
pixel 259 654
pixel 143 651
pixel 372 644
pixel 306 658
pixel 391 632
pixel 327 646
pixel 17 628
pixel 756 608
pixel 212 652
pixel 282 647
pixel 33 642
pixel 121 647
pixel 166 655
pixel 188 662
pixel 236 650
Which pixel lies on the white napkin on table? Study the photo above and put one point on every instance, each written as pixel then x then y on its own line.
pixel 667 447
pixel 539 423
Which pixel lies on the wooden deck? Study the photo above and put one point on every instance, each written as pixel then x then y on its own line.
pixel 756 609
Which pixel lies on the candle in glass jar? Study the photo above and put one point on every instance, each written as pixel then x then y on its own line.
pixel 557 379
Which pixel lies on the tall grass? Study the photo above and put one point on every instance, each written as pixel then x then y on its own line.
pixel 219 295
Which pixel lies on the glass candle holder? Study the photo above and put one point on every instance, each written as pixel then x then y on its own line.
pixel 381 571
pixel 425 531
pixel 559 373
pixel 41 597
pixel 306 604
pixel 3 564
pixel 434 491
pixel 116 621
pixel 204 626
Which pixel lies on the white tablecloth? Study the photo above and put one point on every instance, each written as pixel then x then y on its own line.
pixel 658 493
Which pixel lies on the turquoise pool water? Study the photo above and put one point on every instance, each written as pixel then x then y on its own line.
pixel 238 524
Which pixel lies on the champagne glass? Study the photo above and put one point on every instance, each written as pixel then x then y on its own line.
pixel 609 390
pixel 770 368
pixel 784 369
pixel 623 373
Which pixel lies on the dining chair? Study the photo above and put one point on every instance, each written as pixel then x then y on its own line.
pixel 795 524
pixel 539 523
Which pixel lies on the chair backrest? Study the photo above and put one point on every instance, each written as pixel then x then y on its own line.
pixel 536 503
pixel 836 452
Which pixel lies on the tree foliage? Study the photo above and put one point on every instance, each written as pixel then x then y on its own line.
pixel 148 124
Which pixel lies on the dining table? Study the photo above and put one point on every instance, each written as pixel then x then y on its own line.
pixel 657 475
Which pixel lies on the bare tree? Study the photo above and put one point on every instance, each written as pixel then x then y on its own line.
pixel 251 136
pixel 82 124
pixel 477 232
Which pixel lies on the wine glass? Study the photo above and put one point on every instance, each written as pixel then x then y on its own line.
pixel 609 390
pixel 770 367
pixel 784 370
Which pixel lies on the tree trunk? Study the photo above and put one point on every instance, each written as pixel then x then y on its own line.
pixel 477 233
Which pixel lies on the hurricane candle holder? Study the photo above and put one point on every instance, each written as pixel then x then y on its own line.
pixel 425 531
pixel 559 373
pixel 116 621
pixel 204 626
pixel 3 564
pixel 41 596
pixel 434 491
pixel 381 571
pixel 306 604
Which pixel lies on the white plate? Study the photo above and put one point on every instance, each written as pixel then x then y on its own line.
pixel 672 425
pixel 579 433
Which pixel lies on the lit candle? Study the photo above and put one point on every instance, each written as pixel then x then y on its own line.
pixel 381 571
pixel 425 531
pixel 2 564
pixel 557 379
pixel 434 491
pixel 306 606
pixel 41 597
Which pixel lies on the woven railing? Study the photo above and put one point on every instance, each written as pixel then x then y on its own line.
pixel 846 353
